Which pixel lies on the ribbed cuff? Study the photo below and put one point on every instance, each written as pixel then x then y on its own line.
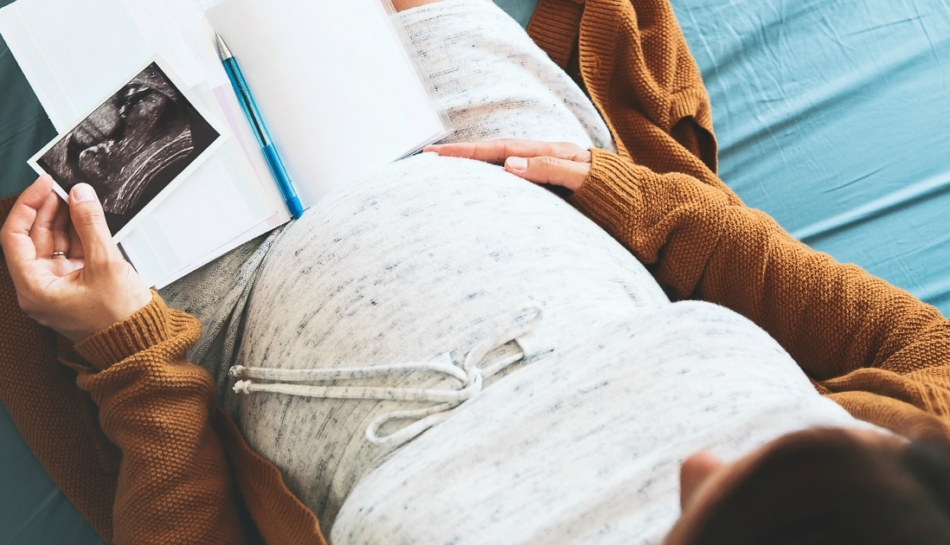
pixel 609 193
pixel 144 329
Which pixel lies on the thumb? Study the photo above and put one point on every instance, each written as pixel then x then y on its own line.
pixel 89 221
pixel 549 170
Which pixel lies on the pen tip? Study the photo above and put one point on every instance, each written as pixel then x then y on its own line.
pixel 223 50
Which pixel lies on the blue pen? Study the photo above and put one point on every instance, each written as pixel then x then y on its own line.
pixel 260 130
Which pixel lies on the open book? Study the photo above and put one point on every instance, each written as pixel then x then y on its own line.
pixel 335 83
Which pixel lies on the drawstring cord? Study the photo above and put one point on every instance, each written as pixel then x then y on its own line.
pixel 471 377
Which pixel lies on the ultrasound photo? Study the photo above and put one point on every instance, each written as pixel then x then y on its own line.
pixel 132 146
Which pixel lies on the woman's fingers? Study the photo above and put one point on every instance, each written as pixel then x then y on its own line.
pixel 496 151
pixel 18 247
pixel 60 229
pixel 557 163
pixel 42 230
pixel 75 245
pixel 549 170
pixel 92 289
pixel 89 221
pixel 61 265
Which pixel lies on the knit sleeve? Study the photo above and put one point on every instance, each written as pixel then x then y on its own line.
pixel 174 484
pixel 836 320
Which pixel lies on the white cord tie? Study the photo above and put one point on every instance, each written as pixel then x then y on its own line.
pixel 470 377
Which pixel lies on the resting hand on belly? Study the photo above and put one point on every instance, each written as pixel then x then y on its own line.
pixel 555 163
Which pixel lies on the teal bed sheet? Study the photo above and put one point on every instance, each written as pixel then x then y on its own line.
pixel 32 509
pixel 831 116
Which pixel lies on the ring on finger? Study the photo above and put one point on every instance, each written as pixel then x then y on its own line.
pixel 58 255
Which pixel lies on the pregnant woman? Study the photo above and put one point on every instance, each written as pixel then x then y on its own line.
pixel 444 352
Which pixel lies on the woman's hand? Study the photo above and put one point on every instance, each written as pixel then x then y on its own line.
pixel 556 163
pixel 68 273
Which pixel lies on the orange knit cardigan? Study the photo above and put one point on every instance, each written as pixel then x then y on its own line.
pixel 140 448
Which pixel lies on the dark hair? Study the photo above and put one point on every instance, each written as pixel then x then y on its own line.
pixel 826 486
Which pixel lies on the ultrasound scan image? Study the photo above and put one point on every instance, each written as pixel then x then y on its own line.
pixel 132 146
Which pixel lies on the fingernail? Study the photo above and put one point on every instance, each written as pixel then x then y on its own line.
pixel 83 193
pixel 516 163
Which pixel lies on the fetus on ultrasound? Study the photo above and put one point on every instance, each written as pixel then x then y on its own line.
pixel 132 146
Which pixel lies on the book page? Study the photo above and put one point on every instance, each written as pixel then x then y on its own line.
pixel 334 84
pixel 74 53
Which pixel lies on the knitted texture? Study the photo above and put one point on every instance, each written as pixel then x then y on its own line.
pixel 634 63
pixel 157 408
pixel 58 421
pixel 875 349
pixel 880 352
pixel 174 482
pixel 139 447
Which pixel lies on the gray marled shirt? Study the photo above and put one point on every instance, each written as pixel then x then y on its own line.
pixel 580 440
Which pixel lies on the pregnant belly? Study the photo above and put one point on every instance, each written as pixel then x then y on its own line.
pixel 428 257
